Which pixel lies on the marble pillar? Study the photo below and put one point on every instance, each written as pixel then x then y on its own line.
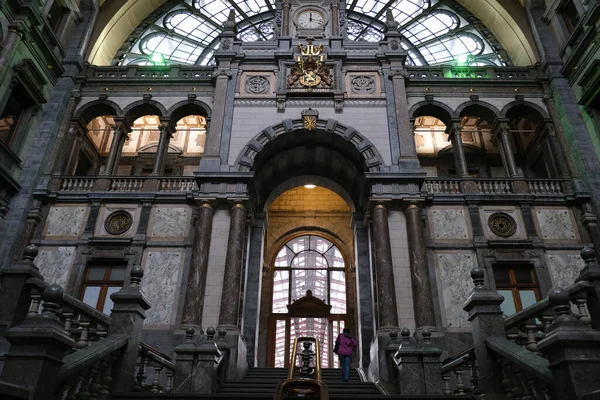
pixel 166 132
pixel 285 29
pixel 406 137
pixel 121 130
pixel 230 299
pixel 335 18
pixel 194 298
pixel 211 161
pixel 419 270
pixel 457 148
pixel 70 135
pixel 13 38
pixel 386 293
pixel 503 133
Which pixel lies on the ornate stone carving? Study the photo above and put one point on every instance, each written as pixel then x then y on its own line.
pixel 310 119
pixel 118 222
pixel 257 84
pixel 338 102
pixel 281 99
pixel 362 84
pixel 502 224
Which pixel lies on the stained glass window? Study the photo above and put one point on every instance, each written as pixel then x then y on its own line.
pixel 433 31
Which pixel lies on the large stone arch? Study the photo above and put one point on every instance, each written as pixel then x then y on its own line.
pixel 185 108
pixel 525 109
pixel 140 108
pixel 97 108
pixel 370 155
pixel 433 108
pixel 479 109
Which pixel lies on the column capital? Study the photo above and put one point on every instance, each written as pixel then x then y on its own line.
pixel 167 127
pixel 455 128
pixel 121 127
pixel 18 27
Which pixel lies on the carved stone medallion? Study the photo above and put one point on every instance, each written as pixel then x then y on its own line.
pixel 257 84
pixel 362 84
pixel 502 224
pixel 118 222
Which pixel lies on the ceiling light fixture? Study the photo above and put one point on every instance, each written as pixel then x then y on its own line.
pixel 310 186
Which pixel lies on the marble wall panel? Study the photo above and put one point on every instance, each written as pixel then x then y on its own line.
pixel 170 222
pixel 556 224
pixel 65 221
pixel 55 264
pixel 448 223
pixel 564 267
pixel 162 276
pixel 455 285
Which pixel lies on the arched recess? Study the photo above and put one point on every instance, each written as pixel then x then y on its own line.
pixel 435 109
pixel 480 109
pixel 97 108
pixel 524 109
pixel 140 108
pixel 287 150
pixel 185 108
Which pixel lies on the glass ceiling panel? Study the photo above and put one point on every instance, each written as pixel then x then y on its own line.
pixel 434 33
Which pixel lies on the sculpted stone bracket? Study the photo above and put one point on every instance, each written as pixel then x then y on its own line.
pixel 395 186
pixel 224 185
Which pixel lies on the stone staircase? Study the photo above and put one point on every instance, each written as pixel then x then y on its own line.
pixel 260 383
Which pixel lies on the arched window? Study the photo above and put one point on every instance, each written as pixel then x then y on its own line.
pixel 434 31
pixel 308 263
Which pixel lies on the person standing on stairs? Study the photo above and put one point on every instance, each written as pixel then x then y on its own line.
pixel 345 345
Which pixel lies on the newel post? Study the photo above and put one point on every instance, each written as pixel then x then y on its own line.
pixel 573 351
pixel 591 273
pixel 486 319
pixel 127 318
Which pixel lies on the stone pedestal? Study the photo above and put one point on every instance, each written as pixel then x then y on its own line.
pixel 486 320
pixel 128 314
pixel 591 273
pixel 410 372
pixel 232 346
pixel 36 352
pixel 573 351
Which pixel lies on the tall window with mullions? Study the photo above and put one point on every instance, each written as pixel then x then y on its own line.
pixel 518 285
pixel 102 280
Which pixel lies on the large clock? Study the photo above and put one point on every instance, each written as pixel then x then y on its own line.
pixel 310 19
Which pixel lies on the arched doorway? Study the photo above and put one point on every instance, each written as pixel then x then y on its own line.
pixel 309 297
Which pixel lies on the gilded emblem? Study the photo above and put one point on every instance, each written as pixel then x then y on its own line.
pixel 310 69
pixel 310 122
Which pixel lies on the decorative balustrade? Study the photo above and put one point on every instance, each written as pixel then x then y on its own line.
pixel 178 185
pixel 459 373
pixel 471 72
pixel 126 185
pixel 77 184
pixel 442 186
pixel 491 186
pixel 144 72
pixel 545 186
pixel 155 371
pixel 494 186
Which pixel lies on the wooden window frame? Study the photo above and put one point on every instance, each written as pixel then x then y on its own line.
pixel 104 284
pixel 515 286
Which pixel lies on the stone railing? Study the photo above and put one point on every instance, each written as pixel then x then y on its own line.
pixel 472 72
pixel 492 186
pixel 146 72
pixel 155 371
pixel 69 349
pixel 119 184
pixel 459 373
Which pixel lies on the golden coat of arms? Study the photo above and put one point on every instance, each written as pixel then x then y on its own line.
pixel 310 69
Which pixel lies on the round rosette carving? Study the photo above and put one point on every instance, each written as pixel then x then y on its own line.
pixel 502 224
pixel 118 222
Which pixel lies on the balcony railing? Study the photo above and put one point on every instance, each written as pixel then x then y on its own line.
pixel 490 186
pixel 120 184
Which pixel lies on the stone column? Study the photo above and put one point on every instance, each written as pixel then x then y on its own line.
pixel 166 133
pixel 335 18
pixel 386 293
pixel 421 281
pixel 211 161
pixel 121 130
pixel 457 147
pixel 194 297
pixel 230 298
pixel 406 137
pixel 68 132
pixel 15 34
pixel 503 132
pixel 76 146
pixel 553 146
pixel 285 29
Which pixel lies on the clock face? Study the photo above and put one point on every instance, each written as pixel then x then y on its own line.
pixel 311 19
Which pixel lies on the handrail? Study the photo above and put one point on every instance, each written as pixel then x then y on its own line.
pixel 542 306
pixel 303 383
pixel 79 360
pixel 458 359
pixel 526 360
pixel 317 355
